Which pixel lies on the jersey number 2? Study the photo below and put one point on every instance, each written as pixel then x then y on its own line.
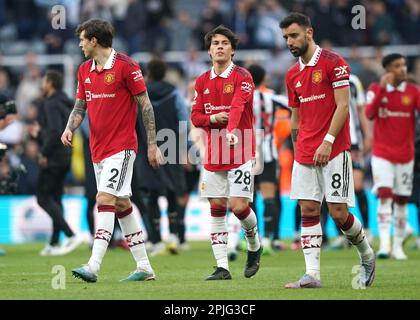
pixel 112 179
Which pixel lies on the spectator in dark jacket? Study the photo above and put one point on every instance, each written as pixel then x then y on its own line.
pixel 169 180
pixel 54 160
pixel 28 182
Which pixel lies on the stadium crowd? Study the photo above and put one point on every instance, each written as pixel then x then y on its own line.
pixel 157 25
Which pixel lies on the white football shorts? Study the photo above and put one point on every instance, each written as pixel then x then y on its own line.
pixel 237 182
pixel 397 176
pixel 114 174
pixel 334 181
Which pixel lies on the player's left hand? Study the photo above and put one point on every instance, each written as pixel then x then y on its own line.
pixel 231 139
pixel 154 155
pixel 322 154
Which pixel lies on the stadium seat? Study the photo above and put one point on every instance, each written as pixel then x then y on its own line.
pixel 15 48
pixel 7 33
pixel 71 47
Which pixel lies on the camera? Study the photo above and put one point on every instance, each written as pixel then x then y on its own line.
pixel 6 107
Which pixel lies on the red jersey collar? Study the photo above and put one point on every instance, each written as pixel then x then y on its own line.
pixel 225 74
pixel 313 61
pixel 109 63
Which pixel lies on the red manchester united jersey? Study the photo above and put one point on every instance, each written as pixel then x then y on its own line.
pixel 311 88
pixel 392 110
pixel 231 91
pixel 112 110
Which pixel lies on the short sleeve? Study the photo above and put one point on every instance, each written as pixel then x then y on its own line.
pixel 134 79
pixel 339 73
pixel 247 87
pixel 80 92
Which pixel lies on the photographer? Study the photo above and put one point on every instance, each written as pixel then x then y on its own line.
pixel 7 111
pixel 8 179
pixel 8 175
pixel 55 161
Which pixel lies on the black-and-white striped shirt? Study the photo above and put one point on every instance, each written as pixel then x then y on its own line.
pixel 357 98
pixel 265 106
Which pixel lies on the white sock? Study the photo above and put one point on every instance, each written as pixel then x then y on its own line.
pixel 219 237
pixel 354 232
pixel 234 232
pixel 248 220
pixel 311 240
pixel 134 238
pixel 105 227
pixel 384 223
pixel 400 223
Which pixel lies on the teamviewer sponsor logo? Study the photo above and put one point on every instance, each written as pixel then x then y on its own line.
pixel 311 98
pixel 90 95
pixel 209 108
pixel 386 113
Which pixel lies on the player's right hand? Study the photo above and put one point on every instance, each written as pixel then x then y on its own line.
pixel 231 139
pixel 387 78
pixel 66 138
pixel 322 154
pixel 222 117
pixel 154 155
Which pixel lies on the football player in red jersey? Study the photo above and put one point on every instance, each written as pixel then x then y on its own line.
pixel 111 88
pixel 318 90
pixel 391 104
pixel 222 106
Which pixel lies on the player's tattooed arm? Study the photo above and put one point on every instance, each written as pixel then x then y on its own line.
pixel 148 116
pixel 77 115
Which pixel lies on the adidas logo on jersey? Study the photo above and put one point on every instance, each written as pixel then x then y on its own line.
pixel 87 80
pixel 298 84
pixel 207 91
pixel 335 194
pixel 245 189
pixel 111 186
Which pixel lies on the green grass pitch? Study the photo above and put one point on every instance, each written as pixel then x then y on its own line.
pixel 26 275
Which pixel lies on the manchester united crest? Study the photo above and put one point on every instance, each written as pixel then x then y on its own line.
pixel 317 76
pixel 109 77
pixel 228 88
pixel 405 100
